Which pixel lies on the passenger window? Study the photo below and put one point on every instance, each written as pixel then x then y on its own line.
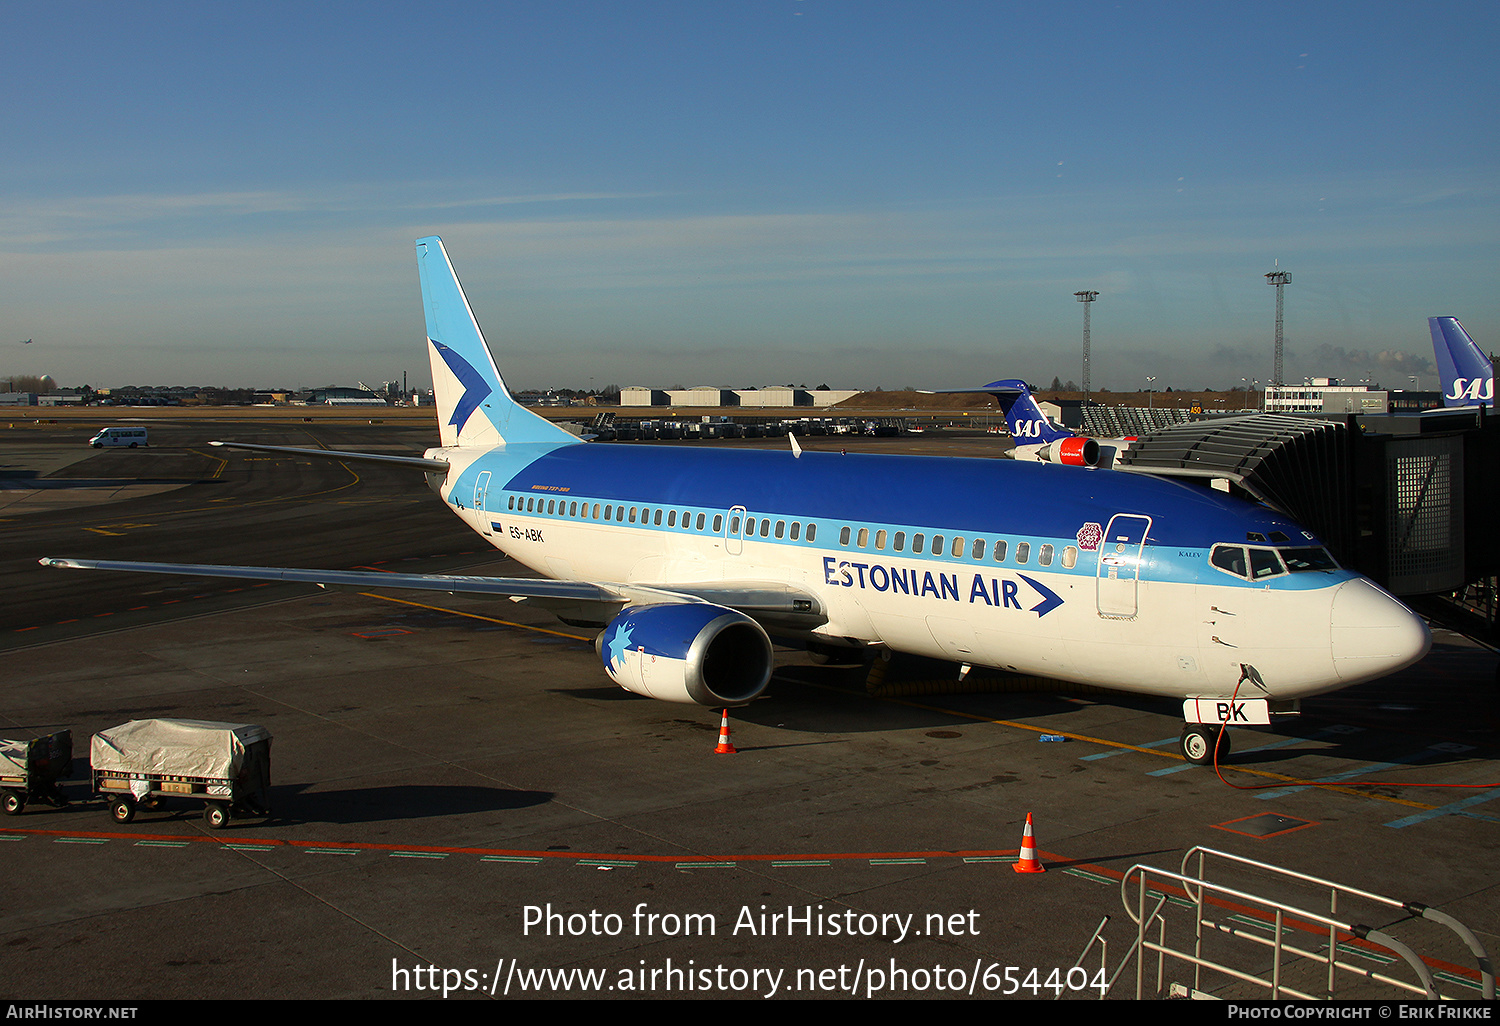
pixel 765 527
pixel 672 518
pixel 796 529
pixel 608 512
pixel 780 528
pixel 916 542
pixel 1044 557
pixel 734 525
pixel 879 540
pixel 632 514
pixel 718 522
pixel 1070 557
pixel 863 538
pixel 530 505
pixel 812 531
pixel 1023 551
pixel 551 506
pixel 843 536
pixel 657 518
pixel 750 527
pixel 900 542
pixel 572 509
pixel 700 522
pixel 958 547
pixel 978 552
pixel 596 511
pixel 1000 551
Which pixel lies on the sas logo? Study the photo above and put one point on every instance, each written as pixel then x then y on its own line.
pixel 1473 389
pixel 1089 537
pixel 1028 429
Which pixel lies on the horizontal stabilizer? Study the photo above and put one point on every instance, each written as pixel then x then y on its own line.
pixel 417 462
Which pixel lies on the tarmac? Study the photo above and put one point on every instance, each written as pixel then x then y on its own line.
pixel 464 807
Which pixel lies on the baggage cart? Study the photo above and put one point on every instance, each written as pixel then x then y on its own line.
pixel 144 762
pixel 30 770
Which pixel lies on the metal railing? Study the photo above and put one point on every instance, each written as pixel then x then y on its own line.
pixel 1232 912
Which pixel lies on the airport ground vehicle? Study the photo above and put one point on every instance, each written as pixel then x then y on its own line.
pixel 114 437
pixel 141 763
pixel 30 770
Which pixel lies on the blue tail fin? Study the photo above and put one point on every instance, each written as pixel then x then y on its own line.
pixel 474 406
pixel 1468 375
pixel 1028 425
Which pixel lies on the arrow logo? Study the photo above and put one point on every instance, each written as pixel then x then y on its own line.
pixel 476 389
pixel 1050 599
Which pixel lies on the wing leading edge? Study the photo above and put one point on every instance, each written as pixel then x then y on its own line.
pixel 586 601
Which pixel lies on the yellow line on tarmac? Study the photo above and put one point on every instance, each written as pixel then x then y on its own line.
pixel 476 616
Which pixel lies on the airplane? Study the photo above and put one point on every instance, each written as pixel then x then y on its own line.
pixel 688 559
pixel 1468 375
pixel 1038 440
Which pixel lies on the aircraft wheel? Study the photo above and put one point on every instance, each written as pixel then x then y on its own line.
pixel 13 804
pixel 216 815
pixel 122 810
pixel 1198 743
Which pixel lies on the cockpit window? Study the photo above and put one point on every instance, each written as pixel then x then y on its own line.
pixel 1264 563
pixel 1230 558
pixel 1301 560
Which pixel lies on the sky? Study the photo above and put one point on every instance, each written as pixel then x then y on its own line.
pixel 858 193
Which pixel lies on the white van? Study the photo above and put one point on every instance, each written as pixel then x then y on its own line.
pixel 112 436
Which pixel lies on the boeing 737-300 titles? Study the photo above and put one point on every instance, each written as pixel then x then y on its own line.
pixel 688 559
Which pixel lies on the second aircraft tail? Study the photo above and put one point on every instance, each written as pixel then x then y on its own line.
pixel 1468 375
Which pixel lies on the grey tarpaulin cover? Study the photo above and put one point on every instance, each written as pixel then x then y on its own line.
pixel 187 748
pixel 12 758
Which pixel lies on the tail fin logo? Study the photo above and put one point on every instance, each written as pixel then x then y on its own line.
pixel 1471 391
pixel 476 388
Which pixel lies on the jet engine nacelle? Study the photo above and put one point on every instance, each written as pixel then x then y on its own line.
pixel 1072 452
pixel 687 652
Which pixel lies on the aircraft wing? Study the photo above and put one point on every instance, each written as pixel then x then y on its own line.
pixel 419 462
pixel 578 600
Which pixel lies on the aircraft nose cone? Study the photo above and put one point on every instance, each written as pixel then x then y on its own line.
pixel 1373 634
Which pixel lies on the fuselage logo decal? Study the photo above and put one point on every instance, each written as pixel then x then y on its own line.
pixel 999 593
pixel 476 389
pixel 1089 536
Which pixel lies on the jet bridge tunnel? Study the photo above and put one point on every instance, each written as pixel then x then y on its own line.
pixel 1404 500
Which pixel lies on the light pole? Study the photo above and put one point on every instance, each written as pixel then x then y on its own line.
pixel 1278 278
pixel 1150 393
pixel 1086 298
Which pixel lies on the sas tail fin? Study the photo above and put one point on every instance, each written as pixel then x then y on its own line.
pixel 1468 375
pixel 1028 424
pixel 474 406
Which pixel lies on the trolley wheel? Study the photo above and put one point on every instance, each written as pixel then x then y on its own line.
pixel 1198 740
pixel 216 815
pixel 122 809
pixel 13 804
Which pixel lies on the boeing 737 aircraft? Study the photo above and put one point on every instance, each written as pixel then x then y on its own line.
pixel 1468 375
pixel 689 558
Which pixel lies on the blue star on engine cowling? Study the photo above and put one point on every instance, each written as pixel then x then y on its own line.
pixel 476 389
pixel 620 644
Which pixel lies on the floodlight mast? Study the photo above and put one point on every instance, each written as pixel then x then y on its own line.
pixel 1086 298
pixel 1278 278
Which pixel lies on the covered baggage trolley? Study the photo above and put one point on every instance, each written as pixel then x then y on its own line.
pixel 227 765
pixel 30 770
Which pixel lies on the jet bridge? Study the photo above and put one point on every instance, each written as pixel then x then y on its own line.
pixel 1403 500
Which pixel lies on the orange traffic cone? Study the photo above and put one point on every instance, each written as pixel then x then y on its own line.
pixel 1028 862
pixel 725 748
